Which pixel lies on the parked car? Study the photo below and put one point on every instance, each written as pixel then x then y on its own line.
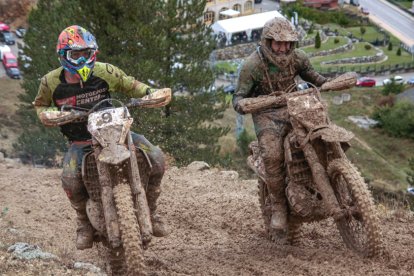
pixel 302 86
pixel 4 49
pixel 410 81
pixel 229 89
pixel 13 72
pixel 9 60
pixel 20 32
pixel 397 80
pixel 364 11
pixel 7 37
pixel 4 27
pixel 366 82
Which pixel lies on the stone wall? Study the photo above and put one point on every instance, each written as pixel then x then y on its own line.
pixel 237 51
pixel 355 60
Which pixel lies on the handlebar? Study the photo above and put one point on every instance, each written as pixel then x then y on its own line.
pixel 279 99
pixel 77 114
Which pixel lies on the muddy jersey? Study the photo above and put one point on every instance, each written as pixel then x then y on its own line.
pixel 106 78
pixel 253 81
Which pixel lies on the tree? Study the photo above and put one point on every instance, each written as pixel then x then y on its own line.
pixel 399 52
pixel 170 46
pixel 39 144
pixel 160 42
pixel 362 30
pixel 390 46
pixel 392 88
pixel 397 120
pixel 317 41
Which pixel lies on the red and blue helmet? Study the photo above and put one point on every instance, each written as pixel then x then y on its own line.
pixel 77 50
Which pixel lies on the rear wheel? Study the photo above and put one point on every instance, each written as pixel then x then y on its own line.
pixel 359 225
pixel 130 232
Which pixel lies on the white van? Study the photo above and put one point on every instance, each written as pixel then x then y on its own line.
pixel 4 49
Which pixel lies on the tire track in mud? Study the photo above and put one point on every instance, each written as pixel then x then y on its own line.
pixel 216 229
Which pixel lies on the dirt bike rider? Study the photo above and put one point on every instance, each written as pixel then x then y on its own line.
pixel 82 81
pixel 273 67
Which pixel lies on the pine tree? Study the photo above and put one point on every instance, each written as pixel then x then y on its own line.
pixel 390 46
pixel 317 40
pixel 39 144
pixel 160 42
pixel 399 52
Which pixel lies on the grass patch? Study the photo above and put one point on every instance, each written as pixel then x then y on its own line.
pixel 371 33
pixel 225 67
pixel 381 158
pixel 329 44
pixel 358 51
pixel 341 31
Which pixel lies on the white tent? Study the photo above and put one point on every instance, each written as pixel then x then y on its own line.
pixel 243 24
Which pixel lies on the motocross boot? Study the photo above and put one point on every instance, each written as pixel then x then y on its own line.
pixel 278 220
pixel 158 227
pixel 85 231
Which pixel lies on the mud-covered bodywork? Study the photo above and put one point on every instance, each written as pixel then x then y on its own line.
pixel 110 128
pixel 320 181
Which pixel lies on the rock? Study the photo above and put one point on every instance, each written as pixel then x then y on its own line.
pixel 12 163
pixel 88 266
pixel 230 174
pixel 25 251
pixel 198 166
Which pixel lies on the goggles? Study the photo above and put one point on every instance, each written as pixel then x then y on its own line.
pixel 78 57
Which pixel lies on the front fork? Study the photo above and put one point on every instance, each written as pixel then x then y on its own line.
pixel 108 202
pixel 321 178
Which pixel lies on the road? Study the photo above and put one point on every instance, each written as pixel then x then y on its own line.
pixel 392 19
pixel 266 5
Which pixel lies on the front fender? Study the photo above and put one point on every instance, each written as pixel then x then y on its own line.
pixel 332 133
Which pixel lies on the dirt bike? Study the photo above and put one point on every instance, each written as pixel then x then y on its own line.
pixel 320 180
pixel 117 206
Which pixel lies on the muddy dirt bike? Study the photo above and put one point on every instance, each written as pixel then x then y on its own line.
pixel 117 206
pixel 320 180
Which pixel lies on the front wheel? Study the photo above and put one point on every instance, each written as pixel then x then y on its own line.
pixel 359 225
pixel 130 232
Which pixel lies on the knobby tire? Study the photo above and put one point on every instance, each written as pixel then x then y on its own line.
pixel 359 227
pixel 130 232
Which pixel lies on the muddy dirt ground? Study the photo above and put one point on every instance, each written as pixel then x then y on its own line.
pixel 216 229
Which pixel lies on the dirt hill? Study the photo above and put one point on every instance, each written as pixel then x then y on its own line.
pixel 216 230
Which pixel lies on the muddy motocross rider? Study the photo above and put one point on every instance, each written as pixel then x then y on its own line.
pixel 273 67
pixel 83 82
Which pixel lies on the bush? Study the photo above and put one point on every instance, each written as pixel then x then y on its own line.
pixel 390 46
pixel 399 52
pixel 336 40
pixel 310 31
pixel 367 47
pixel 319 16
pixel 317 41
pixel 397 120
pixel 392 88
pixel 362 30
